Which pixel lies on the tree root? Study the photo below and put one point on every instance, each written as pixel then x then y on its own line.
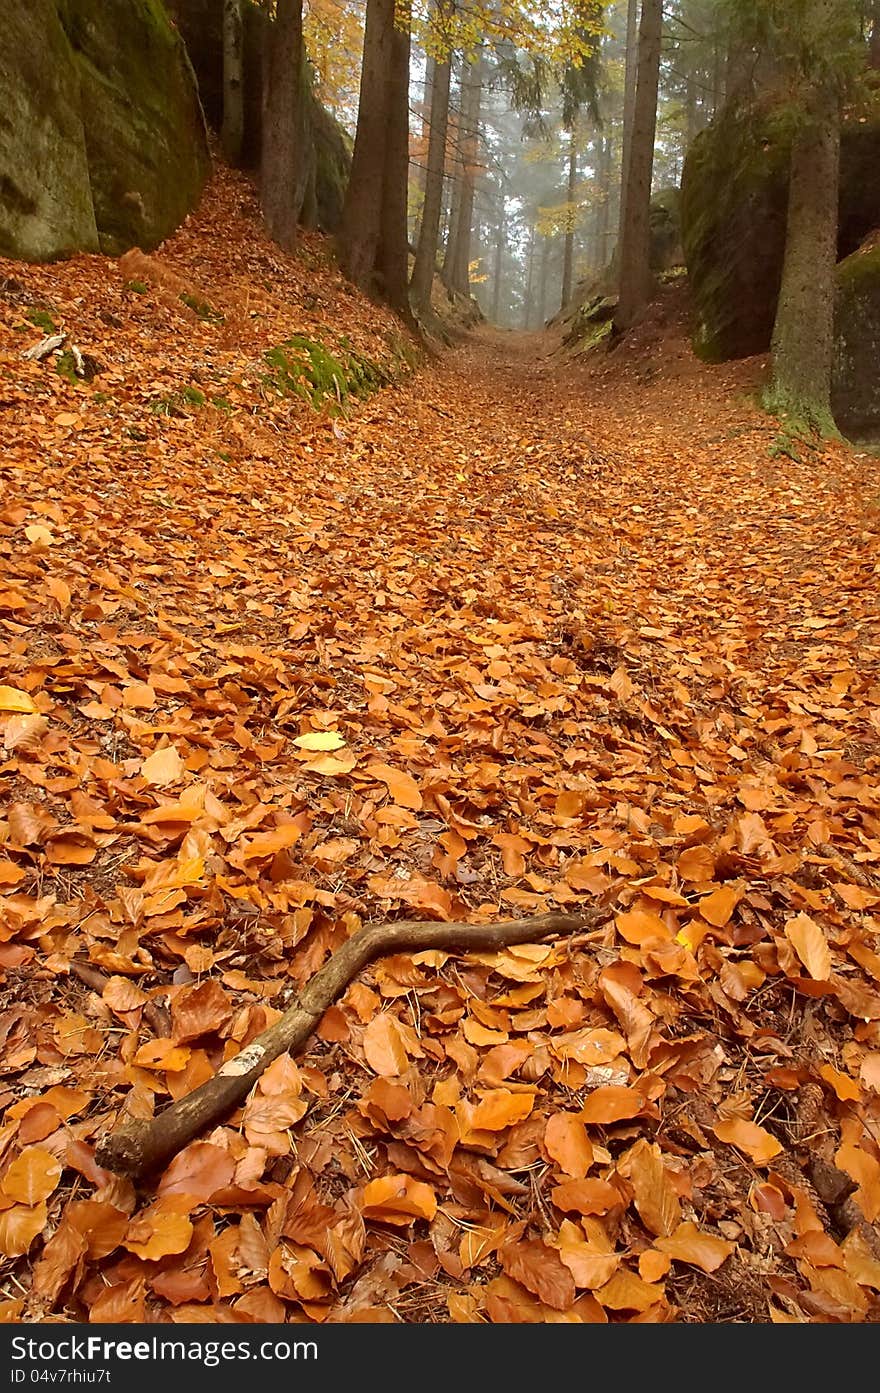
pixel 140 1146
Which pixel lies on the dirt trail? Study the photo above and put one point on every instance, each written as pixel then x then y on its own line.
pixel 582 639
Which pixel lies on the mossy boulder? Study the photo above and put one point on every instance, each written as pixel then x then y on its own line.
pixel 855 396
pixel 104 142
pixel 46 207
pixel 734 201
pixel 665 223
pixel 201 25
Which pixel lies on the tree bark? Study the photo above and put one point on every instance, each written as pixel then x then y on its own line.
pixel 629 106
pixel 803 334
pixel 634 267
pixel 874 49
pixel 530 281
pixel 232 129
pixel 545 267
pixel 429 232
pixel 568 250
pixel 139 1147
pixel 603 222
pixel 469 136
pixel 392 252
pixel 286 150
pixel 362 213
pixel 500 247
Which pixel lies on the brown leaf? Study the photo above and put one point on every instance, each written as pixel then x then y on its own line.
pixel 811 946
pixel 198 1011
pixel 200 1170
pixel 19 1227
pixel 567 1143
pixel 540 1270
pixel 612 1103
pixel 384 1046
pixel 32 1176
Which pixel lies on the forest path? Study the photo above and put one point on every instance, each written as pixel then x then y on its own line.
pixel 564 636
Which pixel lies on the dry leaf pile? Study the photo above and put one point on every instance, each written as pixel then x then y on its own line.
pixel 506 640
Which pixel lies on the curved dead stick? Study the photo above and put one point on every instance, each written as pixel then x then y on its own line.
pixel 140 1146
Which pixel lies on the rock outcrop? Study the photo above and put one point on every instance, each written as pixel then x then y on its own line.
pixel 102 138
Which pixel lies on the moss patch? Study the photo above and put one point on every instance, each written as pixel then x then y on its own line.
pixel 326 378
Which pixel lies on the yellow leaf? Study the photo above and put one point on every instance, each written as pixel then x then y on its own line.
pixel 39 535
pixel 162 767
pixel 332 765
pixel 811 946
pixel 688 1244
pixel 320 740
pixel 11 699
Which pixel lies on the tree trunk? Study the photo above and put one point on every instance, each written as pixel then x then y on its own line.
pixel 634 267
pixel 530 280
pixel 568 253
pixel 629 105
pixel 429 232
pixel 500 246
pixel 803 335
pixel 232 130
pixel 545 267
pixel 469 136
pixel 874 50
pixel 362 213
pixel 603 226
pixel 392 253
pixel 286 151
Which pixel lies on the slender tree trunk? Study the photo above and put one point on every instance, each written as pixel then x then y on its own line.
pixel 635 246
pixel 874 50
pixel 469 138
pixel 530 281
pixel 545 267
pixel 803 335
pixel 455 181
pixel 286 150
pixel 603 226
pixel 232 130
pixel 421 177
pixel 362 213
pixel 392 252
pixel 568 252
pixel 629 106
pixel 500 247
pixel 429 232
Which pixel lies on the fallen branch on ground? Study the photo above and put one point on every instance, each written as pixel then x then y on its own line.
pixel 140 1146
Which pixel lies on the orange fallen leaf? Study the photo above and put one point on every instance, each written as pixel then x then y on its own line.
pixel 32 1176
pixel 757 1143
pixel 397 1199
pixel 811 946
pixel 690 1245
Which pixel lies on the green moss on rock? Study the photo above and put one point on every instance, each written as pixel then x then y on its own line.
pixel 326 379
pixel 855 397
pixel 101 132
pixel 46 206
pixel 734 201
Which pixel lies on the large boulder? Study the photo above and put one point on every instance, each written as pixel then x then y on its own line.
pixel 201 24
pixel 855 396
pixel 734 200
pixel 46 207
pixel 104 142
